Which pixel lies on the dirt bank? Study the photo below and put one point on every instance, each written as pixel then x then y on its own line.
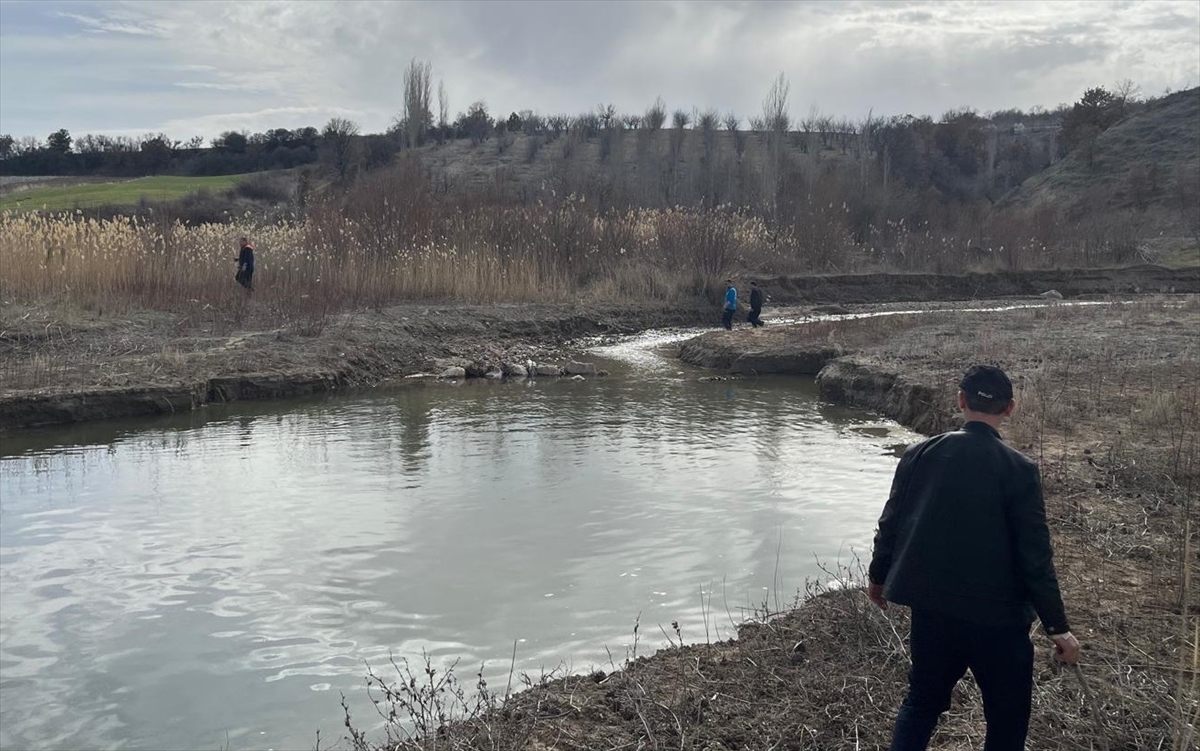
pixel 60 363
pixel 876 288
pixel 1110 407
pixel 63 365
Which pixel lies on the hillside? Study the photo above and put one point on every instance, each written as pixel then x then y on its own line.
pixel 1147 165
pixel 77 194
pixel 523 164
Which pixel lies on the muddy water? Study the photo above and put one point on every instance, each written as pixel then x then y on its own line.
pixel 216 579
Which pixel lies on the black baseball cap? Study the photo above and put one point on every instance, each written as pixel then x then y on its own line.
pixel 986 383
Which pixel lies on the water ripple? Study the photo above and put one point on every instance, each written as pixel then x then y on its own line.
pixel 221 575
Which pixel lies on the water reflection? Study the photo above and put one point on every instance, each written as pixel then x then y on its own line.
pixel 166 582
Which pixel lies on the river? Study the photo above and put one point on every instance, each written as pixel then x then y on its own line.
pixel 216 579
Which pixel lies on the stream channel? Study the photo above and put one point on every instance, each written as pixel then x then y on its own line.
pixel 216 579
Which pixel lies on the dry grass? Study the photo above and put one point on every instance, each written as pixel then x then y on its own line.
pixel 395 235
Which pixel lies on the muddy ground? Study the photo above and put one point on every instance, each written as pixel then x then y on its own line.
pixel 1070 283
pixel 62 363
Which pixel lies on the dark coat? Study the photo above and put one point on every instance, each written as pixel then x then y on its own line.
pixel 964 533
pixel 756 299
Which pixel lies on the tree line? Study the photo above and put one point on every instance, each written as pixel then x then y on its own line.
pixel 963 155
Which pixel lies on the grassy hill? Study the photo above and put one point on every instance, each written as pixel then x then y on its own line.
pixel 524 164
pixel 1146 166
pixel 116 193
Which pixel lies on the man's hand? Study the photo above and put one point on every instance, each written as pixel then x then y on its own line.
pixel 875 595
pixel 1066 648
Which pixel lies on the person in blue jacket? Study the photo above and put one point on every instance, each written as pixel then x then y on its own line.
pixel 730 305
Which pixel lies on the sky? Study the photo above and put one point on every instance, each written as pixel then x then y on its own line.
pixel 201 67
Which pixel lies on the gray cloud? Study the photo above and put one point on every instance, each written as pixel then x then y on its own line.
pixel 117 65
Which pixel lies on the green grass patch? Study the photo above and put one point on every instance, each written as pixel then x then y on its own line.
pixel 1183 257
pixel 116 193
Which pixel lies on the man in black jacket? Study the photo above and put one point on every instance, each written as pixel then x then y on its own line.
pixel 756 303
pixel 245 262
pixel 963 541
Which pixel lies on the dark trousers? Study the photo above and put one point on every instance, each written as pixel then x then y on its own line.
pixel 1000 658
pixel 727 319
pixel 754 317
pixel 245 277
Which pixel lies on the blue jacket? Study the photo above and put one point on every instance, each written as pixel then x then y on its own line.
pixel 731 299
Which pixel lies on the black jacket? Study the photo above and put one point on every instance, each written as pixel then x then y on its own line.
pixel 964 533
pixel 756 299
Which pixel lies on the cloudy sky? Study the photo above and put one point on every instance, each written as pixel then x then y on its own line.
pixel 201 67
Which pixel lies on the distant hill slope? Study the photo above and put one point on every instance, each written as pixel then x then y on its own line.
pixel 1148 164
pixel 65 194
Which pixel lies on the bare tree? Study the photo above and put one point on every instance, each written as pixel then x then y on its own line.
pixel 607 114
pixel 443 110
pixel 680 119
pixel 732 121
pixel 610 129
pixel 1126 93
pixel 531 122
pixel 808 126
pixel 708 121
pixel 776 121
pixel 656 116
pixel 825 129
pixel 863 147
pixel 631 122
pixel 557 124
pixel 418 99
pixel 338 136
pixel 775 106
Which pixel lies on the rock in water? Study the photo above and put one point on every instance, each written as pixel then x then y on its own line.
pixel 1052 295
pixel 549 370
pixel 513 370
pixel 454 372
pixel 580 368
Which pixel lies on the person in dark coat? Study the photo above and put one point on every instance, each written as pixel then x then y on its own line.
pixel 756 303
pixel 963 542
pixel 245 261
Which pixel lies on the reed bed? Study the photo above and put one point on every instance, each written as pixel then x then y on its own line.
pixel 389 237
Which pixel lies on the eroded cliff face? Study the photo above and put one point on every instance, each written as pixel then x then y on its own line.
pixel 920 406
pixel 717 350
